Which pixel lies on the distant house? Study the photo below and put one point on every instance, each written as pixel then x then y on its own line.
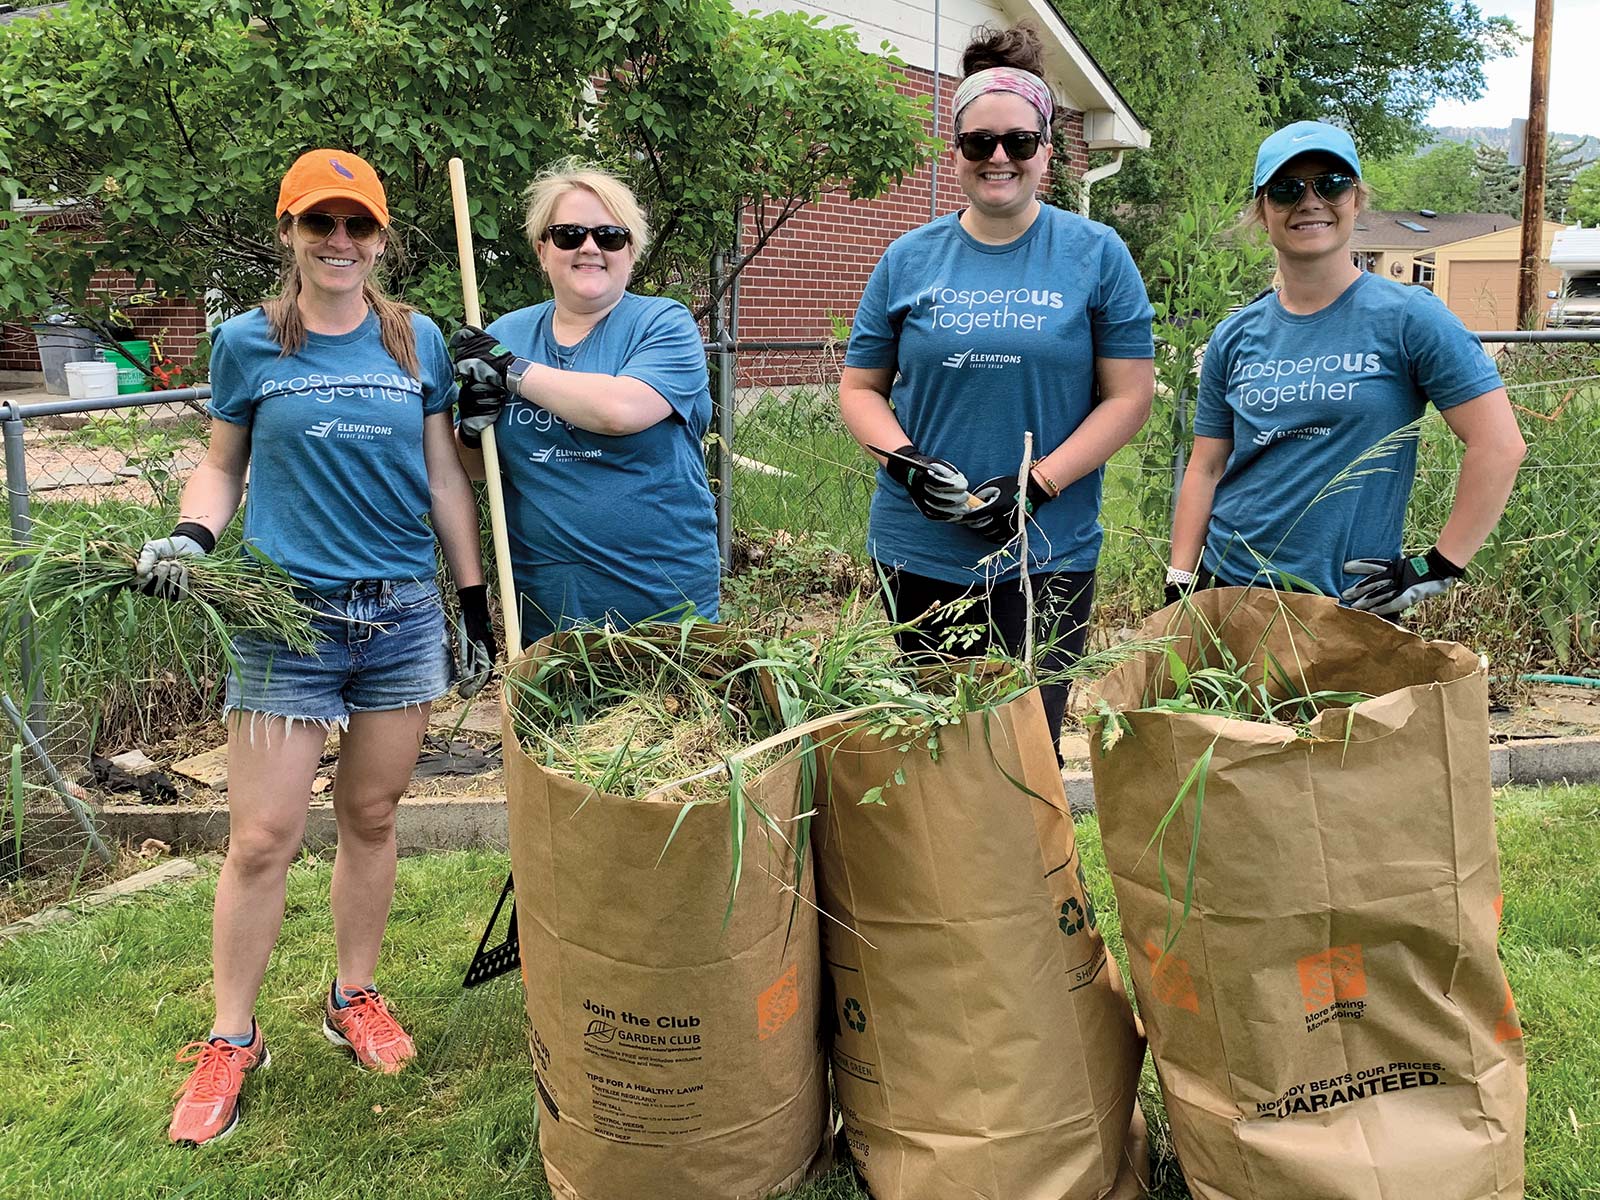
pixel 1469 260
pixel 815 268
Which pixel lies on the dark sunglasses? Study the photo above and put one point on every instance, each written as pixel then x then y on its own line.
pixel 319 227
pixel 570 237
pixel 1333 187
pixel 978 146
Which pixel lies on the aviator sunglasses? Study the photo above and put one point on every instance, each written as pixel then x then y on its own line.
pixel 319 227
pixel 570 237
pixel 1333 187
pixel 978 146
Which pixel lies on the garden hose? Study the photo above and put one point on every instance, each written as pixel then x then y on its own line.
pixel 1587 681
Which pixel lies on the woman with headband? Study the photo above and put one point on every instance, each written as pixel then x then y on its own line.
pixel 1007 316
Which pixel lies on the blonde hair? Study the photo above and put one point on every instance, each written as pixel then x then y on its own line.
pixel 571 174
pixel 289 328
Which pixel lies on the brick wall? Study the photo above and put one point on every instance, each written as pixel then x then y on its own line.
pixel 174 322
pixel 817 265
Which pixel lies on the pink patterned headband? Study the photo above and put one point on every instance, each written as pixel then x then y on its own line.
pixel 1005 79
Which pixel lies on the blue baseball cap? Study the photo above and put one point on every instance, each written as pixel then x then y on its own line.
pixel 1304 137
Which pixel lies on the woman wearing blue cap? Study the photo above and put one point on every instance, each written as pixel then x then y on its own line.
pixel 1306 381
pixel 1007 316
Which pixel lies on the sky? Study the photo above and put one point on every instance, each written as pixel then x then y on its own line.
pixel 1574 98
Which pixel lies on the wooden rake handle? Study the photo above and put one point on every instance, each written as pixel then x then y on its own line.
pixel 491 454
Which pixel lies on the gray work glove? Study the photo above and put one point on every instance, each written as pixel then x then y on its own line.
pixel 1391 587
pixel 161 570
pixel 475 643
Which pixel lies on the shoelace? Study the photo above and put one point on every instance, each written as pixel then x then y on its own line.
pixel 374 1024
pixel 218 1072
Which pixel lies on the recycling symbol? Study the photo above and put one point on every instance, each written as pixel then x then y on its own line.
pixel 854 1015
pixel 1072 918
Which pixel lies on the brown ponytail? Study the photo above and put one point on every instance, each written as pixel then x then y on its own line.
pixel 394 317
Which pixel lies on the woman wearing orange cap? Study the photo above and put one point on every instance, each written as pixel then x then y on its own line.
pixel 337 400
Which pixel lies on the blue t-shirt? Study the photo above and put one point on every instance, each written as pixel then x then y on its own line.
pixel 605 528
pixel 338 487
pixel 990 341
pixel 1302 398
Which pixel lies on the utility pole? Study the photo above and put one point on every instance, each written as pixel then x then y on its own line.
pixel 1528 296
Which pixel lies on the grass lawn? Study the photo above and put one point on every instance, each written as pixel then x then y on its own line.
pixel 91 1012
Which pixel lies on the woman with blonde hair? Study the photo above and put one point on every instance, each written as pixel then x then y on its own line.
pixel 336 400
pixel 1309 380
pixel 599 400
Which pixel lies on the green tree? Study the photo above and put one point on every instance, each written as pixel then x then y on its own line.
pixel 1584 203
pixel 169 122
pixel 1501 184
pixel 1378 67
pixel 1210 78
pixel 1443 179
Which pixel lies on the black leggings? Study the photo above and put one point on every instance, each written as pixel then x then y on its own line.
pixel 1061 601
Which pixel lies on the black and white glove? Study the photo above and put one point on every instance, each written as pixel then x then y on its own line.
pixel 481 363
pixel 937 488
pixel 1390 587
pixel 475 644
pixel 995 520
pixel 162 571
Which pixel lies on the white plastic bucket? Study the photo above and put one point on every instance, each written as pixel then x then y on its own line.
pixel 91 380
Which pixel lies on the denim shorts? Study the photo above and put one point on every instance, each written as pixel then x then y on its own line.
pixel 381 644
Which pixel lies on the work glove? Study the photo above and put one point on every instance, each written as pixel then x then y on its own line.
pixel 936 487
pixel 480 363
pixel 478 406
pixel 995 520
pixel 475 645
pixel 1389 588
pixel 161 570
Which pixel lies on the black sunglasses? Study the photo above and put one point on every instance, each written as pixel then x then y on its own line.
pixel 319 227
pixel 978 146
pixel 570 237
pixel 1332 187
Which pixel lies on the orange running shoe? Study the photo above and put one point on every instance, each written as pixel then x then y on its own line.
pixel 208 1105
pixel 367 1028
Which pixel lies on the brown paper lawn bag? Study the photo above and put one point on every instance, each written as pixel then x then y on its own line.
pixel 983 1046
pixel 1332 1021
pixel 677 1057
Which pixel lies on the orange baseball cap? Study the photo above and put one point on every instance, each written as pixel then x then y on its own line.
pixel 319 175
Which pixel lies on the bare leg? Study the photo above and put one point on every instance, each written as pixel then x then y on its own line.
pixel 376 757
pixel 271 764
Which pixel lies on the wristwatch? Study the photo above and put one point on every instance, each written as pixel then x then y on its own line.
pixel 514 373
pixel 1179 577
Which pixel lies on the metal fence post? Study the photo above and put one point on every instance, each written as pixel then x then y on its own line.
pixel 722 415
pixel 1180 428
pixel 21 528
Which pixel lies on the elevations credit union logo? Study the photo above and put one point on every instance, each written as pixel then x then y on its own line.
pixel 342 430
pixel 991 362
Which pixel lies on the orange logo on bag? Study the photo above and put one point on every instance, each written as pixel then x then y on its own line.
pixel 1331 975
pixel 778 1003
pixel 1171 979
pixel 1499 908
pixel 1509 1027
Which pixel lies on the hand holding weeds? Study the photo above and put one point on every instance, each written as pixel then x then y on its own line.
pixel 936 487
pixel 996 519
pixel 475 644
pixel 161 570
pixel 1392 587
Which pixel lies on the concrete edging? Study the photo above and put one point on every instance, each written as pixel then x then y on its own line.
pixel 467 822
